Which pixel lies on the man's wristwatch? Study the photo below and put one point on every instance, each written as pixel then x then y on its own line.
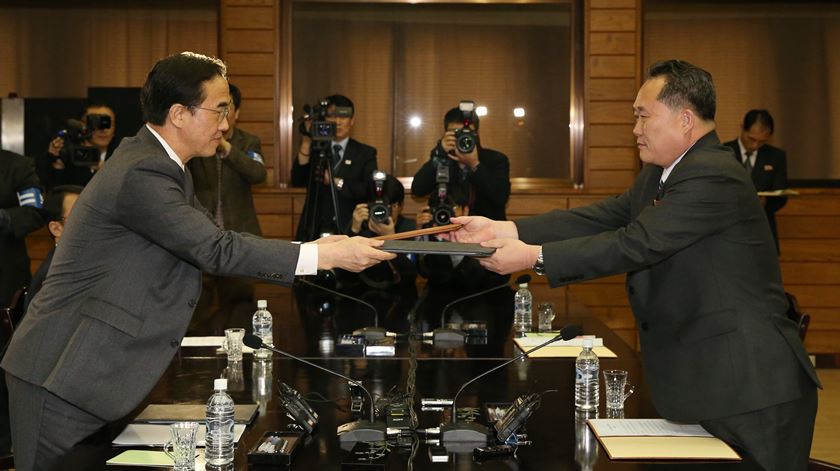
pixel 339 183
pixel 539 267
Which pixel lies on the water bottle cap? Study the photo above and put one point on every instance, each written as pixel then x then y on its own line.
pixel 523 285
pixel 587 343
pixel 220 384
pixel 262 304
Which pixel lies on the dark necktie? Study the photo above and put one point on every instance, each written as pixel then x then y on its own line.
pixel 336 156
pixel 219 218
pixel 747 165
pixel 660 192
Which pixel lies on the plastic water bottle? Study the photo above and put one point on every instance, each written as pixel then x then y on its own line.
pixel 522 309
pixel 262 324
pixel 219 436
pixel 586 378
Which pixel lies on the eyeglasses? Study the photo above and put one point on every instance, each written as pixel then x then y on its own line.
pixel 223 113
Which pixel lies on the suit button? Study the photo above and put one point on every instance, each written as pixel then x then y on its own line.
pixel 644 326
pixel 174 343
pixel 191 303
pixel 631 290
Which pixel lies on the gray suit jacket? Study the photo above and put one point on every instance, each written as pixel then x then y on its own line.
pixel 124 282
pixel 703 281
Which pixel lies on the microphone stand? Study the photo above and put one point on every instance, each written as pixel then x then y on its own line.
pixel 358 431
pixel 369 333
pixel 473 432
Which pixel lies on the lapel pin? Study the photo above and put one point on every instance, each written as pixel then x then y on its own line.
pixel 348 162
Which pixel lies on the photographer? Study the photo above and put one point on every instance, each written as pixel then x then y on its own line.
pixel 451 270
pixel 382 215
pixel 482 174
pixel 352 163
pixel 75 163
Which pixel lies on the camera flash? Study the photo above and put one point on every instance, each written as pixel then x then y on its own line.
pixel 415 121
pixel 519 112
pixel 481 111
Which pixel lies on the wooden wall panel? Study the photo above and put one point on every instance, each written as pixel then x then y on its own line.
pixel 612 66
pixel 613 112
pixel 612 43
pixel 238 17
pixel 612 89
pixel 249 41
pixel 613 158
pixel 612 178
pixel 612 135
pixel 613 20
pixel 256 109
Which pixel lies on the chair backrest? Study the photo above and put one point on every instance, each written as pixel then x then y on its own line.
pixel 795 314
pixel 16 306
pixel 10 316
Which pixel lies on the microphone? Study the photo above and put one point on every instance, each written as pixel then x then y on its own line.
pixel 358 431
pixel 369 333
pixel 472 432
pixel 446 335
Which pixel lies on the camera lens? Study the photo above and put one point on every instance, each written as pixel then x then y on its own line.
pixel 465 143
pixel 442 215
pixel 379 212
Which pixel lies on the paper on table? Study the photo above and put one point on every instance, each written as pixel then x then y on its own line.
pixel 212 341
pixel 668 448
pixel 550 351
pixel 785 192
pixel 532 339
pixel 158 434
pixel 151 458
pixel 646 428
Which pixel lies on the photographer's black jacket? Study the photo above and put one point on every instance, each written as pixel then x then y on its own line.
pixel 356 169
pixel 490 183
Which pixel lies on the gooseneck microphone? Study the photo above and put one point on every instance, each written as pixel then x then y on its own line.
pixel 446 335
pixel 358 431
pixel 472 432
pixel 369 333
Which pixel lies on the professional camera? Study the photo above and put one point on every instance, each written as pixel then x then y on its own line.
pixel 441 205
pixel 465 138
pixel 321 130
pixel 379 209
pixel 75 151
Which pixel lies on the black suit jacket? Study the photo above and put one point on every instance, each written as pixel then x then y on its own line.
pixel 356 169
pixel 703 281
pixel 489 184
pixel 769 173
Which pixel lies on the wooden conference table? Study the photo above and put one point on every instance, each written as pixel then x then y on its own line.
pixel 306 323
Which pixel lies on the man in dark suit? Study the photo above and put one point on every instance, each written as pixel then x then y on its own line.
pixel 124 280
pixel 352 165
pixel 483 174
pixel 766 165
pixel 223 186
pixel 702 278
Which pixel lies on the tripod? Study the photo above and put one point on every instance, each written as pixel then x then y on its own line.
pixel 322 155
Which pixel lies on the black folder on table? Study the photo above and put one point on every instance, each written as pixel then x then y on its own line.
pixel 169 413
pixel 436 248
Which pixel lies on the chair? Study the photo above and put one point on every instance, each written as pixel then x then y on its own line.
pixel 10 316
pixel 795 314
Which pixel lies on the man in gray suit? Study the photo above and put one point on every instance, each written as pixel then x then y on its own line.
pixel 124 281
pixel 702 276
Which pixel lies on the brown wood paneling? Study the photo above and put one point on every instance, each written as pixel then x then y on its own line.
pixel 577 202
pixel 276 225
pixel 823 318
pixel 613 112
pixel 816 205
pixel 253 86
pixel 236 17
pixel 256 109
pixel 612 4
pixel 817 273
pixel 248 2
pixel 272 204
pixel 816 296
pixel 613 158
pixel 612 66
pixel 628 336
pixel 809 250
pixel 821 341
pixel 612 20
pixel 245 40
pixel 594 294
pixel 612 43
pixel 612 89
pixel 525 205
pixel 615 317
pixel 612 135
pixel 611 178
pixel 250 63
pixel 807 227
pixel 263 130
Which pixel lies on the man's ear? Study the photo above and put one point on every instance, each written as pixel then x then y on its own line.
pixel 687 120
pixel 56 228
pixel 177 115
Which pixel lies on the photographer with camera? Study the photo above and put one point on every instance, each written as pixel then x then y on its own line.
pixel 350 163
pixel 382 215
pixel 79 151
pixel 481 174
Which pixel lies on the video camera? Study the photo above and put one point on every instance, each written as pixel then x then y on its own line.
pixel 75 135
pixel 380 208
pixel 320 130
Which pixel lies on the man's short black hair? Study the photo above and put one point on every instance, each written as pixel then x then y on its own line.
pixel 235 95
pixel 95 103
pixel 761 117
pixel 177 79
pixel 341 100
pixel 686 85
pixel 54 202
pixel 455 115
